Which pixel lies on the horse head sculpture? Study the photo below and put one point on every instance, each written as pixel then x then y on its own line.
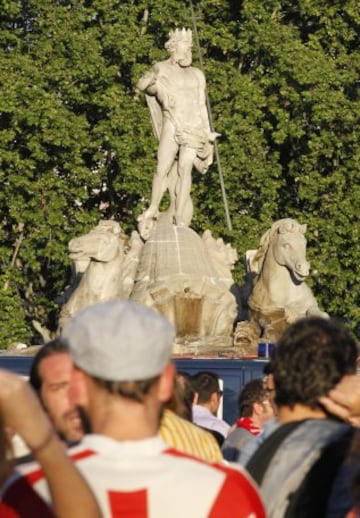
pixel 279 269
pixel 286 237
pixel 105 262
pixel 103 243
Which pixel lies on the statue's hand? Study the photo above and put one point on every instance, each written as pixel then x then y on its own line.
pixel 213 135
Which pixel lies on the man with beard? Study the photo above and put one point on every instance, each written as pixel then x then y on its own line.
pixel 50 376
pixel 20 410
pixel 255 409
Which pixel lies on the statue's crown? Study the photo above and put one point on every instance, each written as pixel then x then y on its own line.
pixel 183 35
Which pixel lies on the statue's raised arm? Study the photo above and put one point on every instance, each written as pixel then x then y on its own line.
pixel 176 96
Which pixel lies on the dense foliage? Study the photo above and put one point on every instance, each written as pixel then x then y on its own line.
pixel 76 142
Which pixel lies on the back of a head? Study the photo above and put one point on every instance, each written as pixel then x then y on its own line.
pixel 120 341
pixel 253 392
pixel 311 357
pixel 186 385
pixel 205 383
pixel 185 391
pixel 178 404
pixel 56 346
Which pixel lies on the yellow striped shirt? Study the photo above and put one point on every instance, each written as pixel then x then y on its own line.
pixel 188 438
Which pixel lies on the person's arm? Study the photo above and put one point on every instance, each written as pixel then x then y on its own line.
pixel 344 400
pixel 21 410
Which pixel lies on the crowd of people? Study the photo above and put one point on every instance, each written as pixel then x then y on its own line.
pixel 113 430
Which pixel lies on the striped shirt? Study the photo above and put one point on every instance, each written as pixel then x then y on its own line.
pixel 143 479
pixel 188 437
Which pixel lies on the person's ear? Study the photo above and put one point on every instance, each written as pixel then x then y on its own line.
pixel 214 401
pixel 257 408
pixel 214 397
pixel 166 383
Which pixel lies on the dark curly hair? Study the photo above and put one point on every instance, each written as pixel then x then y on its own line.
pixel 311 357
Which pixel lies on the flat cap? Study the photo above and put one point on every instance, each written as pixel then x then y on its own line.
pixel 120 340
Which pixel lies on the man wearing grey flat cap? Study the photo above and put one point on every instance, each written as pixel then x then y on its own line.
pixel 122 359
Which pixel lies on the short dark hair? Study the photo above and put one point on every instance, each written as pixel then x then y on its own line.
pixel 205 383
pixel 253 392
pixel 56 346
pixel 268 368
pixel 311 357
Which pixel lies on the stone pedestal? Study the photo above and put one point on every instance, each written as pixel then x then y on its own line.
pixel 177 277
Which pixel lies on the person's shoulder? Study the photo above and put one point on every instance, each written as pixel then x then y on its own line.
pixel 188 437
pixel 221 425
pixel 172 419
pixel 86 448
pixel 237 438
pixel 228 470
pixel 231 489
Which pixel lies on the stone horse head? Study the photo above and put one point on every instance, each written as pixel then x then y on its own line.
pixel 286 238
pixel 103 243
pixel 98 258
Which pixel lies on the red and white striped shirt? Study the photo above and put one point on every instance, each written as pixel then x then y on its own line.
pixel 143 479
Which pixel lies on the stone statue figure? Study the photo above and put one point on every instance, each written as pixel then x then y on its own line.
pixel 176 96
pixel 279 268
pixel 108 260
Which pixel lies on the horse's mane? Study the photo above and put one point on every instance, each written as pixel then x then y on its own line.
pixel 112 227
pixel 281 226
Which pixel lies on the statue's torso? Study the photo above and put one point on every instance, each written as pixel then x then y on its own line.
pixel 181 93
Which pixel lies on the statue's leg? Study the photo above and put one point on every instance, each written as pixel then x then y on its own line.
pixel 172 183
pixel 166 155
pixel 184 207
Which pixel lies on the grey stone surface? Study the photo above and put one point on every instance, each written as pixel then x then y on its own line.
pixel 177 277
